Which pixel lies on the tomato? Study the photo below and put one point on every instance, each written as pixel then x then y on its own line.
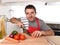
pixel 14 32
pixel 22 37
pixel 17 37
pixel 18 34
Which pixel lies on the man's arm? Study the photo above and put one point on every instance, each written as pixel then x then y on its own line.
pixel 42 33
pixel 48 32
pixel 16 21
pixel 45 30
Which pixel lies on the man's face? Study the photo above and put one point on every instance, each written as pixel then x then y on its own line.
pixel 30 14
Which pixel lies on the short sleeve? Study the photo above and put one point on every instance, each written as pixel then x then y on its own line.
pixel 44 26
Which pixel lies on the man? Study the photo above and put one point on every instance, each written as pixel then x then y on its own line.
pixel 37 27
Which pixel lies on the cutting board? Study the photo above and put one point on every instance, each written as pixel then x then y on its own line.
pixel 28 41
pixel 31 41
pixel 35 41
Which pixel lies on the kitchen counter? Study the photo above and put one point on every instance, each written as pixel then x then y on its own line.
pixel 45 40
pixel 54 39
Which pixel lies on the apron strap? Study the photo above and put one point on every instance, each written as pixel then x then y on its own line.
pixel 32 29
pixel 38 23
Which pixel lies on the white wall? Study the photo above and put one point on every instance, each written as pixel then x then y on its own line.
pixel 4 10
pixel 48 13
pixel 10 27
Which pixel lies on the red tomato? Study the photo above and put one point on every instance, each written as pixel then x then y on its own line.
pixel 17 36
pixel 22 37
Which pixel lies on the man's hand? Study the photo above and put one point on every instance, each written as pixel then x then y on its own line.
pixel 20 24
pixel 37 34
pixel 42 33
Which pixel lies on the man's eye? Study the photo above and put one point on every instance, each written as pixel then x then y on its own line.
pixel 27 13
pixel 32 12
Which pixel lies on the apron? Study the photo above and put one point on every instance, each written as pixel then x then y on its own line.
pixel 31 29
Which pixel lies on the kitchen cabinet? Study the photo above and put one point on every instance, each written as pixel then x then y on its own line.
pixel 12 0
pixel 20 2
pixel 17 0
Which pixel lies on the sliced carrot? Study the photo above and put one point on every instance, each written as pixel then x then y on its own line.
pixel 11 40
pixel 7 44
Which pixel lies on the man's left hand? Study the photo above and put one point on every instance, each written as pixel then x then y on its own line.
pixel 37 34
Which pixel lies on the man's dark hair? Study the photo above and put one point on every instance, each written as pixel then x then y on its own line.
pixel 30 7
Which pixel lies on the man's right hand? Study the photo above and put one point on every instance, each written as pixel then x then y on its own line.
pixel 20 24
pixel 16 21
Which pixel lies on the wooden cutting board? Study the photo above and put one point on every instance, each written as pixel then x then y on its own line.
pixel 8 42
pixel 28 41
pixel 35 41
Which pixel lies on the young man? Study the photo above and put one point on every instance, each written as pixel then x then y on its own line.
pixel 37 27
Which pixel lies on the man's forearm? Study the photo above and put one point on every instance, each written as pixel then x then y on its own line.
pixel 48 33
pixel 14 20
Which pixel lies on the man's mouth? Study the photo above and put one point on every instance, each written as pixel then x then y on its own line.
pixel 30 17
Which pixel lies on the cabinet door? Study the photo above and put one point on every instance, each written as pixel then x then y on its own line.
pixel 12 0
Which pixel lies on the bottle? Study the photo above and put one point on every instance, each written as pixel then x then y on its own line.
pixel 1 36
pixel 2 27
pixel 0 30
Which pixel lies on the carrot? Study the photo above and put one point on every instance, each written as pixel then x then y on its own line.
pixel 11 40
pixel 7 44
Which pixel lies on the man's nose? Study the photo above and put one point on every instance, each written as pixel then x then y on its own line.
pixel 30 14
